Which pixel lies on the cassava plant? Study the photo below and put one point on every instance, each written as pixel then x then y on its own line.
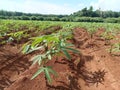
pixel 107 35
pixel 115 48
pixel 49 45
pixel 17 36
pixel 92 31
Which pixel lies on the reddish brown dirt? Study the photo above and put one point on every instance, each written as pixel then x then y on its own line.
pixel 93 69
pixel 12 63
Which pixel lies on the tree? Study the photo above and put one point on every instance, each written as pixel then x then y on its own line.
pixel 33 18
pixel 84 11
pixel 23 17
pixel 90 11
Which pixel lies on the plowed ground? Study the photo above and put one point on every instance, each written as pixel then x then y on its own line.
pixel 93 69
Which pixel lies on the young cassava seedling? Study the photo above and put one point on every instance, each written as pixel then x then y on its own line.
pixel 51 45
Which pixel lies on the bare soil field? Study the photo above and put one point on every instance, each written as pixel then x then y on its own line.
pixel 94 69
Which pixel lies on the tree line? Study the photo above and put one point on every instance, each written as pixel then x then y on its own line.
pixel 97 13
pixel 84 15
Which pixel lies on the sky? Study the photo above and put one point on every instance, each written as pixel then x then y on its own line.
pixel 57 7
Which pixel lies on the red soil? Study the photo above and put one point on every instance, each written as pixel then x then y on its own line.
pixel 93 69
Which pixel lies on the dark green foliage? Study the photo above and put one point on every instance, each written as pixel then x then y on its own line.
pixel 111 20
pixel 84 15
pixel 88 19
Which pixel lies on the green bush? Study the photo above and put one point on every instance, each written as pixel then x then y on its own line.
pixel 110 20
pixel 88 19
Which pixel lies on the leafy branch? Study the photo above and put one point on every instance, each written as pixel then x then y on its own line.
pixel 50 45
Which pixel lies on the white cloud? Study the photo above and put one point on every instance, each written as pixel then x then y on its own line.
pixel 43 7
pixel 107 5
pixel 47 8
pixel 32 6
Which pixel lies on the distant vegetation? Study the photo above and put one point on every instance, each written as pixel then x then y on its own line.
pixel 84 15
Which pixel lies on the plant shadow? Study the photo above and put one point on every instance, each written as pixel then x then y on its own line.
pixel 78 72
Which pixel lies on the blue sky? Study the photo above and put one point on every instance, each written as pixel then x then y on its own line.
pixel 57 7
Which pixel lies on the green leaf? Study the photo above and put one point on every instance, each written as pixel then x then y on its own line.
pixel 34 49
pixel 49 57
pixel 37 58
pixel 36 41
pixel 47 75
pixel 38 72
pixel 51 70
pixel 73 50
pixel 66 54
pixel 10 39
pixel 69 44
pixel 26 49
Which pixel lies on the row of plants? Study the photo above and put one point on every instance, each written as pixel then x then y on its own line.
pixel 54 44
pixel 11 30
pixel 17 30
